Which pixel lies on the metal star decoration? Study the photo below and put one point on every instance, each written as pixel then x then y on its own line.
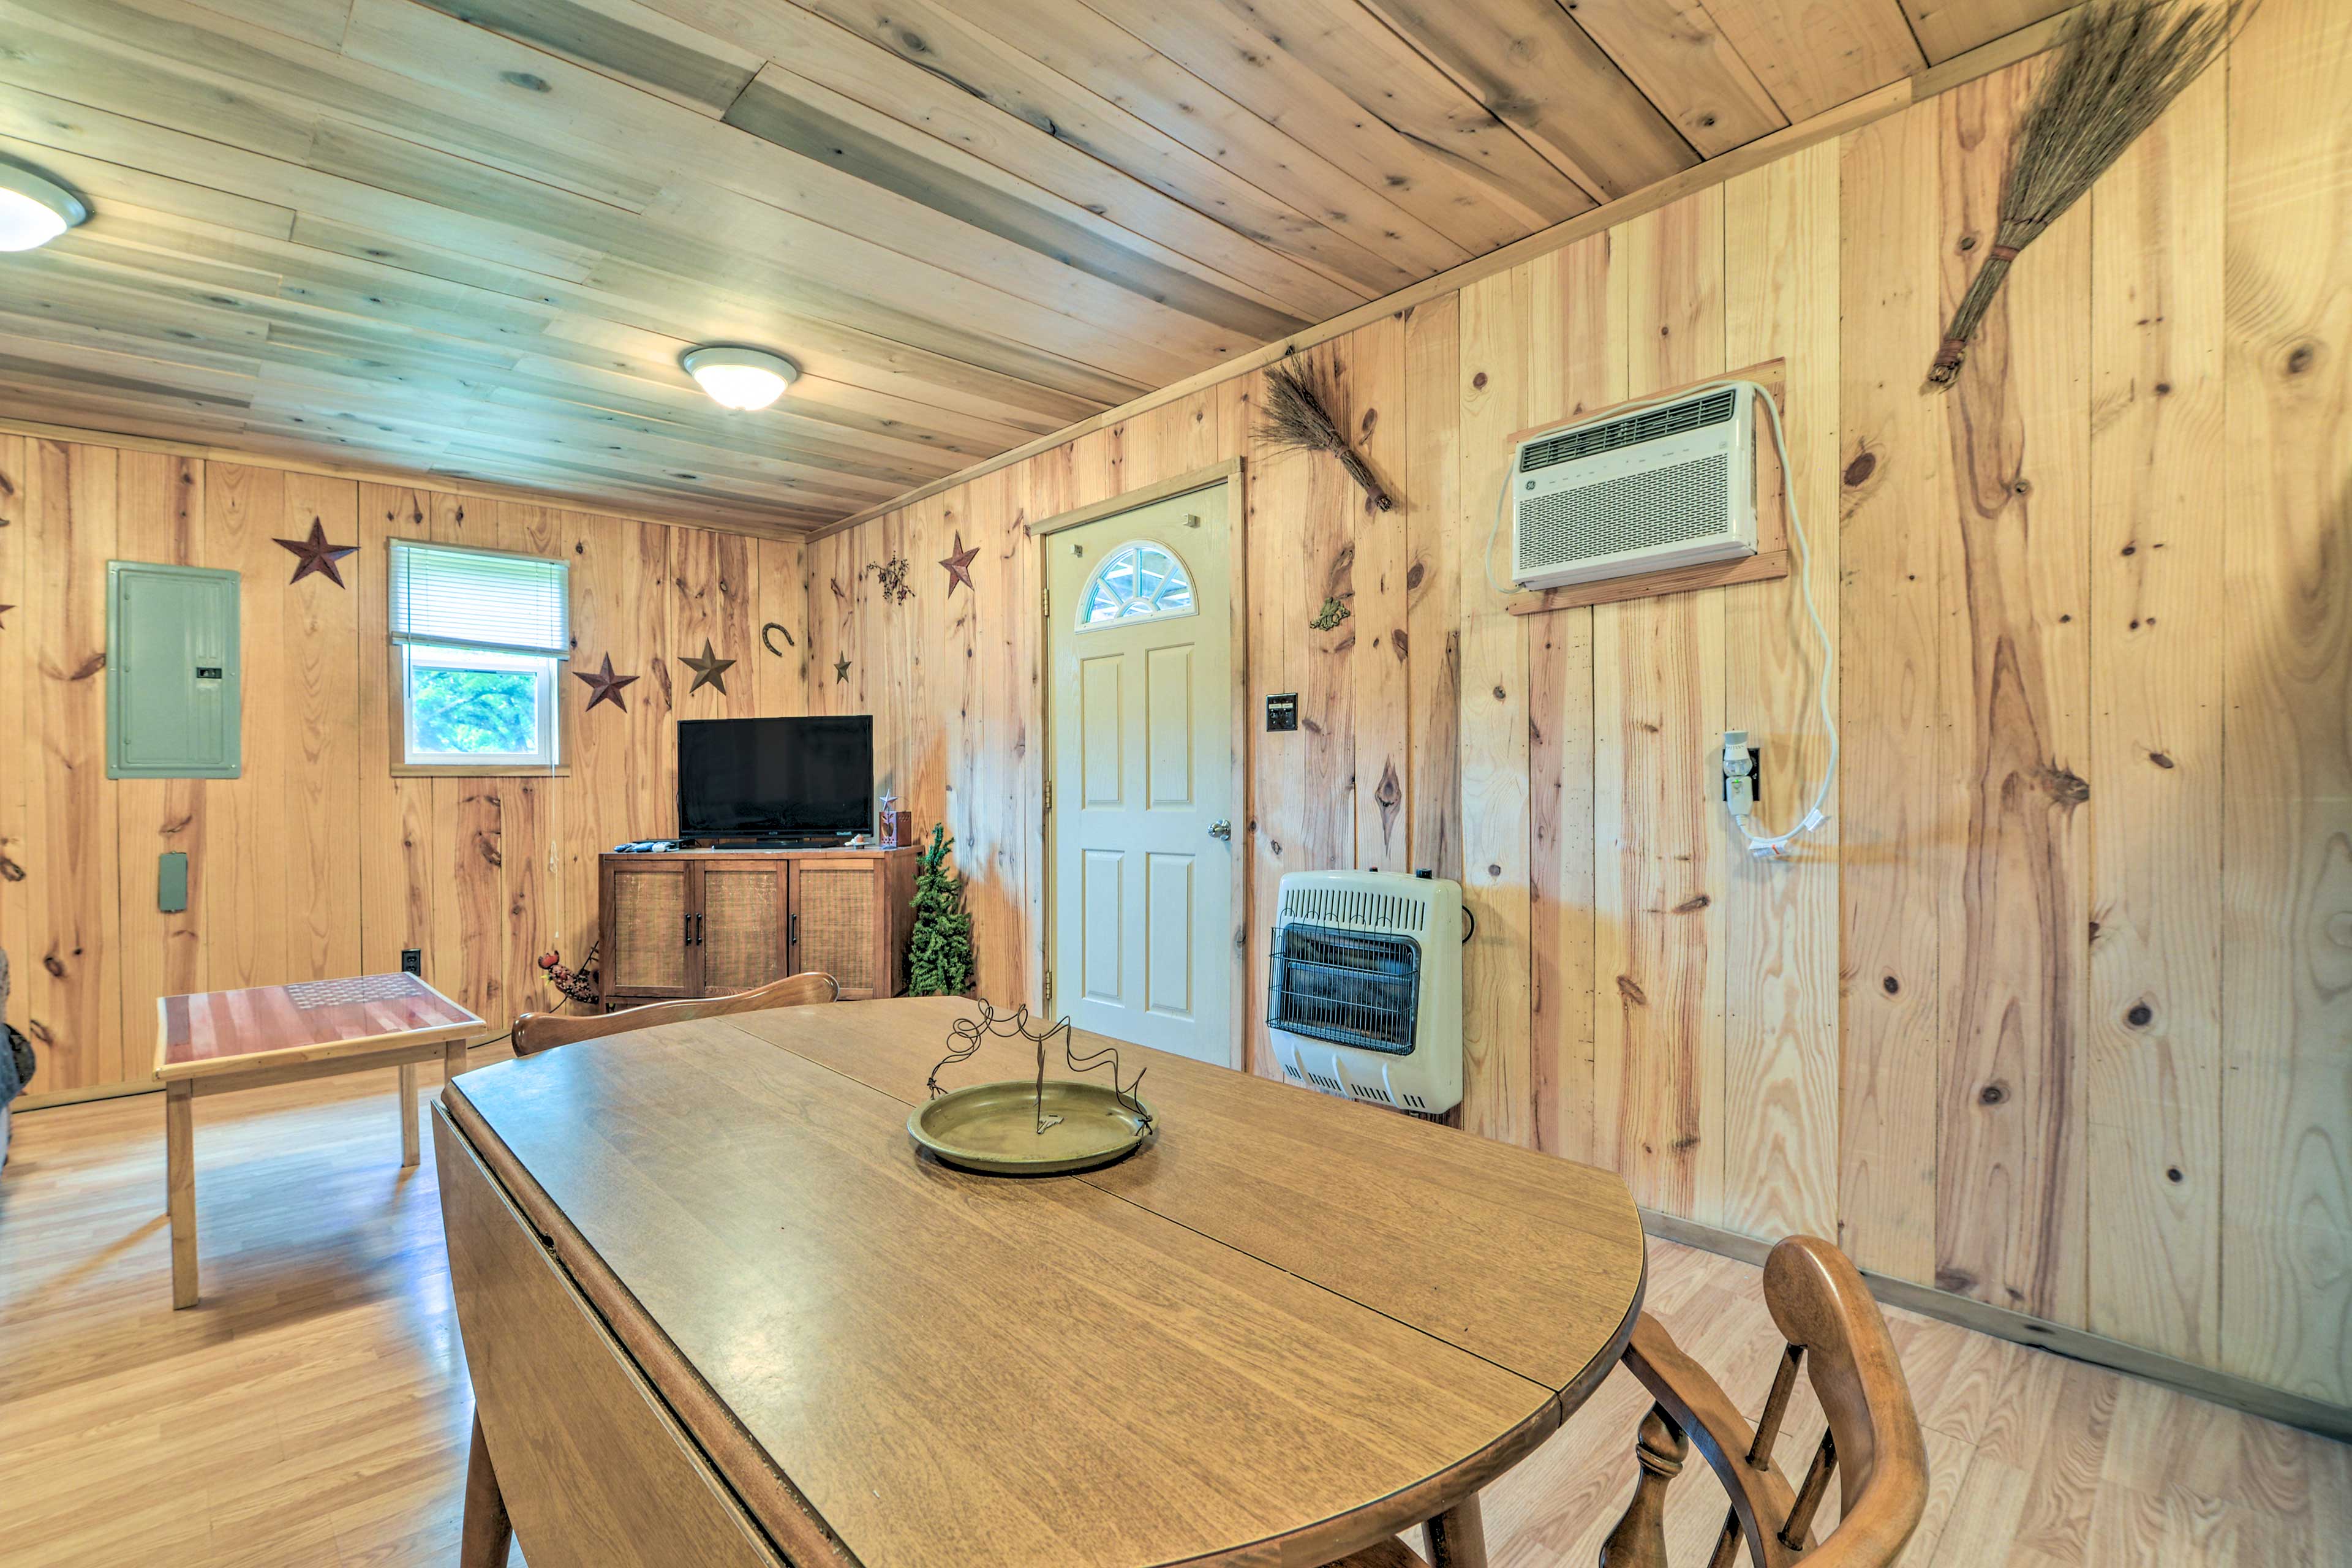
pixel 958 566
pixel 317 555
pixel 604 686
pixel 4 610
pixel 841 670
pixel 708 670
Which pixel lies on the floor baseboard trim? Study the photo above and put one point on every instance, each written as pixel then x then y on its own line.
pixel 2079 1344
pixel 32 1101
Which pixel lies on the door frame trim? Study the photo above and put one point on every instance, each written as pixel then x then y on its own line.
pixel 1231 473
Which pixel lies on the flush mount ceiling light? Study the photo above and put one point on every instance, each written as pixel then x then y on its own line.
pixel 34 210
pixel 740 377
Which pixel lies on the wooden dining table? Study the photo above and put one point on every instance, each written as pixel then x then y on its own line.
pixel 717 1308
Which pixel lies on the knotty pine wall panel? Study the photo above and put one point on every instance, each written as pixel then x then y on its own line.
pixel 1780 920
pixel 2038 1018
pixel 319 861
pixel 1901 794
pixel 2286 652
pixel 2011 1194
pixel 2153 1073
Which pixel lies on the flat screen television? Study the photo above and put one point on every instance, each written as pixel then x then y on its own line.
pixel 775 778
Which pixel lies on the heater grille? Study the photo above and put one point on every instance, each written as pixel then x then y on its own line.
pixel 1590 440
pixel 1355 907
pixel 1350 988
pixel 1630 512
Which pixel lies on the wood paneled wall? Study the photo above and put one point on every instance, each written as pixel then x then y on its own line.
pixel 318 861
pixel 2057 1013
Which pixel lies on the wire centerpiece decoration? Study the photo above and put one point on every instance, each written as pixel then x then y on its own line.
pixel 1037 1125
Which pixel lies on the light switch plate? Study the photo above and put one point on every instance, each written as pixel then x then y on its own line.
pixel 172 881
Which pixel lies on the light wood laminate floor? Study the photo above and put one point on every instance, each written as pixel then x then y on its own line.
pixel 313 1410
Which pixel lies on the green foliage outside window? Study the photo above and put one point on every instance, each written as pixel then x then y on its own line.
pixel 474 711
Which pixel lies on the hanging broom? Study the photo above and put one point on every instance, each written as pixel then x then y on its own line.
pixel 2123 63
pixel 1297 420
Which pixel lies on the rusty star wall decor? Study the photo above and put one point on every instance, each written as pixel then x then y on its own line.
pixel 958 566
pixel 317 555
pixel 4 610
pixel 841 670
pixel 708 670
pixel 604 686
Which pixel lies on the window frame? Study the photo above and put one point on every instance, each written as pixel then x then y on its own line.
pixel 553 758
pixel 1178 565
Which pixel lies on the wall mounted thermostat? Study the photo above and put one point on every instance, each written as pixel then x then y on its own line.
pixel 1281 711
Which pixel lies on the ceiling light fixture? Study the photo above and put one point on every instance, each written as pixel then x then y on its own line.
pixel 34 210
pixel 740 377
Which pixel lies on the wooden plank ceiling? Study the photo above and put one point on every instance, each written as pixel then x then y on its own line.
pixel 471 237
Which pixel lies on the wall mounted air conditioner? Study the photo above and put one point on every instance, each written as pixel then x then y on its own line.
pixel 1673 484
pixel 1364 987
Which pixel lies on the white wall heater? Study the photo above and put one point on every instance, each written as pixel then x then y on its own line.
pixel 1364 987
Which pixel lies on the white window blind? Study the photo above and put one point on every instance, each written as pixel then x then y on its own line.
pixel 449 597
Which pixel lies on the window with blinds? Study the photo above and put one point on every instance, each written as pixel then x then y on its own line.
pixel 478 639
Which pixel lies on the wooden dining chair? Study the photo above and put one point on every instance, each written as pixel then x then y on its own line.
pixel 1835 1333
pixel 537 1032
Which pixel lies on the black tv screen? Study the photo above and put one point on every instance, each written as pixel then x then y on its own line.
pixel 772 777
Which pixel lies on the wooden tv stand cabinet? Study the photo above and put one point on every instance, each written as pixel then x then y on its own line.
pixel 707 922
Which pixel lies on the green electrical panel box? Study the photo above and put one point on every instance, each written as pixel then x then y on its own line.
pixel 172 705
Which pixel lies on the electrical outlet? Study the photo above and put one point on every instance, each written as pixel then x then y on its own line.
pixel 1742 765
pixel 411 960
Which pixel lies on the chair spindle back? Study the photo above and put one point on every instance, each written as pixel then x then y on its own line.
pixel 1835 1333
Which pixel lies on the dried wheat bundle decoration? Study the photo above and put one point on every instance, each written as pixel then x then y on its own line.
pixel 2122 64
pixel 1297 419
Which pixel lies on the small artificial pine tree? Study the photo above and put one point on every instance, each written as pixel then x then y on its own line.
pixel 938 951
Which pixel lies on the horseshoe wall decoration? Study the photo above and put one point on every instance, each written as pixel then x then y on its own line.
pixel 770 645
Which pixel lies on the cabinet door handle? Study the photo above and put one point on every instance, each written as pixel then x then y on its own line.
pixel 701 929
pixel 686 932
pixel 793 929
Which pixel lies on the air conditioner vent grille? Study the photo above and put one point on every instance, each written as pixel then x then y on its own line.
pixel 1630 512
pixel 1590 440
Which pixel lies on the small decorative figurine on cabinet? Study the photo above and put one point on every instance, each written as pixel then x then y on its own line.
pixel 896 829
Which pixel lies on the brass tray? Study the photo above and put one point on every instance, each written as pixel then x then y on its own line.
pixel 992 1127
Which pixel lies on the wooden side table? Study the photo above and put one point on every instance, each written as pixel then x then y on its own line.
pixel 217 1041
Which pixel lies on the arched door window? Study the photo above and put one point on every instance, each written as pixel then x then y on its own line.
pixel 1141 581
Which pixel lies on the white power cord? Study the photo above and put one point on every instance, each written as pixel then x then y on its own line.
pixel 1773 846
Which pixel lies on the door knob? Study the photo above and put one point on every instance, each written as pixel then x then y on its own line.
pixel 1221 828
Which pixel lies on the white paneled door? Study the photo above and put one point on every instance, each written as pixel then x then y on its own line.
pixel 1138 709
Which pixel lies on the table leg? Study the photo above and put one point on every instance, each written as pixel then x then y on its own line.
pixel 487 1530
pixel 408 1148
pixel 1457 1537
pixel 453 1059
pixel 180 1186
